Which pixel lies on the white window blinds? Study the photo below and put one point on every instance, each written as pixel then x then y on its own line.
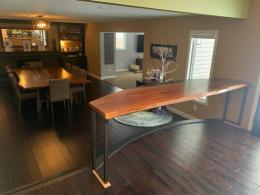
pixel 200 63
pixel 120 41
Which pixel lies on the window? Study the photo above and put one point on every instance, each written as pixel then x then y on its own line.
pixel 201 56
pixel 120 41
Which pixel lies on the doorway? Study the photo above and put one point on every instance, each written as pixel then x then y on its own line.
pixel 128 59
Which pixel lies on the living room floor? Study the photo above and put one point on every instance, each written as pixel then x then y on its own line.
pixel 125 79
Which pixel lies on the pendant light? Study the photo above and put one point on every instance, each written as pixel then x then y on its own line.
pixel 39 24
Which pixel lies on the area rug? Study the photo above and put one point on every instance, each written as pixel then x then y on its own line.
pixel 145 119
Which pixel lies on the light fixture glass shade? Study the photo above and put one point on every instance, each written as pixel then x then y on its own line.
pixel 39 24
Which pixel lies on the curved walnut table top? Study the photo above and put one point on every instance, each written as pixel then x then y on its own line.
pixel 143 98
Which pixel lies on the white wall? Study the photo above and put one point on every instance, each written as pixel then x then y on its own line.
pixel 126 57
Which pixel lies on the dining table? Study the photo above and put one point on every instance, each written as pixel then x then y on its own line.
pixel 38 79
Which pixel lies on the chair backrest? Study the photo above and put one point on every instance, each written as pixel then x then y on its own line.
pixel 16 76
pixel 74 69
pixel 82 73
pixel 7 69
pixel 15 85
pixel 67 66
pixel 59 89
pixel 35 64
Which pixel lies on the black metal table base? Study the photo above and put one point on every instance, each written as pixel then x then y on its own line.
pixel 104 181
pixel 242 107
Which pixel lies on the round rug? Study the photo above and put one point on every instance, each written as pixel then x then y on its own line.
pixel 145 119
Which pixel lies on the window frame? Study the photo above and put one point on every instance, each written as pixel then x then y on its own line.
pixel 201 34
pixel 125 42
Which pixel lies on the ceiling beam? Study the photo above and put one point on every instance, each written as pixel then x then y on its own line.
pixel 224 8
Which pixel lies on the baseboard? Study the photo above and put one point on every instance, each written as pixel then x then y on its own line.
pixel 122 70
pixel 95 76
pixel 234 125
pixel 108 77
pixel 180 113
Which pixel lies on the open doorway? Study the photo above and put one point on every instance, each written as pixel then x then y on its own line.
pixel 128 59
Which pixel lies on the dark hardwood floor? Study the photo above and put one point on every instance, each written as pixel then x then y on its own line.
pixel 202 158
pixel 33 150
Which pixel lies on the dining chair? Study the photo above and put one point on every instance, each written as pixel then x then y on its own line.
pixel 20 95
pixel 80 89
pixel 16 76
pixel 59 90
pixel 7 69
pixel 35 64
pixel 74 69
pixel 67 67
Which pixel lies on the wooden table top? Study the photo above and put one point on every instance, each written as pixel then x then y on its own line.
pixel 39 77
pixel 143 98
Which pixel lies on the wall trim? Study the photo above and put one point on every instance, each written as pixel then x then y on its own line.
pixel 95 76
pixel 234 125
pixel 122 70
pixel 181 113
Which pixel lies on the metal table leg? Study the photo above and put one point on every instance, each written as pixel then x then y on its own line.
pixel 226 105
pixel 104 182
pixel 241 111
pixel 106 145
pixel 242 107
pixel 94 137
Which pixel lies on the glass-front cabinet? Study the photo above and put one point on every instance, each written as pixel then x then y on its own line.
pixel 71 37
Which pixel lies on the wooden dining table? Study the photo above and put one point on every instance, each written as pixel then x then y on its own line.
pixel 38 78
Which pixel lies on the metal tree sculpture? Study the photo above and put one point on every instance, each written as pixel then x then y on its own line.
pixel 160 73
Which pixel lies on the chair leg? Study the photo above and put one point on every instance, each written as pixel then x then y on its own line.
pixel 52 112
pixel 47 105
pixel 68 107
pixel 84 94
pixel 19 105
pixel 71 100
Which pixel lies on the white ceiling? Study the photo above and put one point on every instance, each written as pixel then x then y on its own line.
pixel 75 11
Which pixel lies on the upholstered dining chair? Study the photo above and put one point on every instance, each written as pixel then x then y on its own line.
pixel 74 69
pixel 20 95
pixel 80 89
pixel 67 67
pixel 35 64
pixel 59 90
pixel 7 69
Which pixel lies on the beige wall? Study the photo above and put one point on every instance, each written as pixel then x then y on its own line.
pixel 226 8
pixel 237 54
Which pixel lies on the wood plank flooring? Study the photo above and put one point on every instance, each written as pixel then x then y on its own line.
pixel 32 150
pixel 210 158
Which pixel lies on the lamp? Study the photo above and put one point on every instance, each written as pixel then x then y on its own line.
pixel 39 24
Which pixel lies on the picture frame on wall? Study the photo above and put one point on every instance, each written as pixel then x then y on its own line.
pixel 156 49
pixel 27 46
